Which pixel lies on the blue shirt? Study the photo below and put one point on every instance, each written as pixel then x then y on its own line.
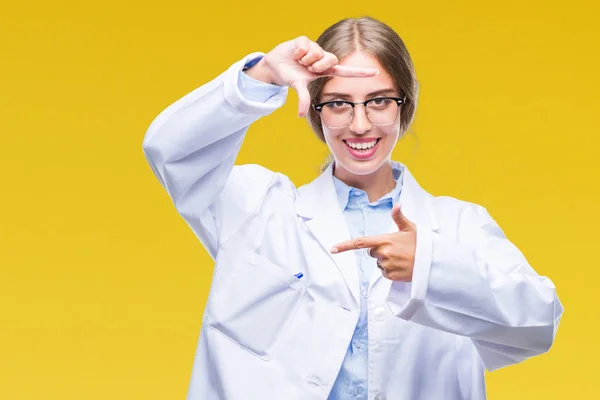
pixel 363 218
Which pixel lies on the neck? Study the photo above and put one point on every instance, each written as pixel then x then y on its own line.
pixel 376 185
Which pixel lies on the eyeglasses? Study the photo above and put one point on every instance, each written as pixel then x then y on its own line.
pixel 380 111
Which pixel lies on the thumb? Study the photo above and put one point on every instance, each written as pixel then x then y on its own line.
pixel 303 97
pixel 400 219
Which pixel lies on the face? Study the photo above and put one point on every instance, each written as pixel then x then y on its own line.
pixel 378 140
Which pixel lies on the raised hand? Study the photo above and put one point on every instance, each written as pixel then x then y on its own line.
pixel 297 62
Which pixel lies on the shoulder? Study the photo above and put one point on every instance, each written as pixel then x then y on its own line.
pixel 443 205
pixel 456 206
pixel 248 175
pixel 256 182
pixel 463 220
pixel 252 193
pixel 251 175
pixel 466 219
pixel 448 209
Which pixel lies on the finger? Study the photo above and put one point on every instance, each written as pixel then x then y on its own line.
pixel 397 276
pixel 303 97
pixel 302 47
pixel 374 252
pixel 400 219
pixel 329 60
pixel 315 53
pixel 384 270
pixel 350 72
pixel 359 243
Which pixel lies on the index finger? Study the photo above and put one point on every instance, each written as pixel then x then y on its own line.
pixel 359 243
pixel 350 72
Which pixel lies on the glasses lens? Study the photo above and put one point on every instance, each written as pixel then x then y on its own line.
pixel 381 111
pixel 337 114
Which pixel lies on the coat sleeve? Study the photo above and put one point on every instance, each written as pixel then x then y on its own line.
pixel 481 287
pixel 192 145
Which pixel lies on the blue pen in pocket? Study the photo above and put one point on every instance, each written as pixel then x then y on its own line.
pixel 299 275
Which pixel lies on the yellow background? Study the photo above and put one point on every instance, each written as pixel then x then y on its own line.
pixel 102 285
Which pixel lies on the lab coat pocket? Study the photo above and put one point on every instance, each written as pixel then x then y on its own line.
pixel 255 303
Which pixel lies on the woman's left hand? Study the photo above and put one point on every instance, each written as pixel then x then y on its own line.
pixel 395 252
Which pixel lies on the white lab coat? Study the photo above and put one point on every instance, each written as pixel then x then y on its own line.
pixel 474 301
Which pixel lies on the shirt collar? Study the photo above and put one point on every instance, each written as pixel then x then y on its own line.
pixel 344 191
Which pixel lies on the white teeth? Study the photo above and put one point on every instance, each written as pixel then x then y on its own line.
pixel 362 146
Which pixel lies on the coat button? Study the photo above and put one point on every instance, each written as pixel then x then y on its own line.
pixel 381 396
pixel 313 380
pixel 356 392
pixel 380 313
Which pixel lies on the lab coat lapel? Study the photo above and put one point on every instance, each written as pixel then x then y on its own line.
pixel 318 205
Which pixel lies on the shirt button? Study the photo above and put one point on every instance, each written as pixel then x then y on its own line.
pixel 358 344
pixel 380 313
pixel 313 380
pixel 356 391
pixel 364 294
pixel 381 396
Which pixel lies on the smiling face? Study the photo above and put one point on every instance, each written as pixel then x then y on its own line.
pixel 362 147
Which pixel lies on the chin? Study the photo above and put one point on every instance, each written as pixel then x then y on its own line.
pixel 360 168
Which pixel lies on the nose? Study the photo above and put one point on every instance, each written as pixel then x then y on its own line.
pixel 360 122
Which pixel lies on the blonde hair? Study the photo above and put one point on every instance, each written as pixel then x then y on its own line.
pixel 377 39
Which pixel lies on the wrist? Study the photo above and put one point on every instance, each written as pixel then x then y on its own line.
pixel 261 72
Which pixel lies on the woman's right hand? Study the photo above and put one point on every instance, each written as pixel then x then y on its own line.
pixel 297 62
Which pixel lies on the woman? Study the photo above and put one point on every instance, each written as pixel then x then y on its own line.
pixel 359 285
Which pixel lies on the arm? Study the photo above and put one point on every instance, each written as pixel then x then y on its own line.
pixel 482 288
pixel 192 145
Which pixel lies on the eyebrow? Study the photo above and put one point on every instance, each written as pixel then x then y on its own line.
pixel 335 95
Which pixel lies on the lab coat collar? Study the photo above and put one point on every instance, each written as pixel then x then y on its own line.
pixel 318 198
pixel 317 203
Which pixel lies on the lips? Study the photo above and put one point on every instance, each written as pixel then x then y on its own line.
pixel 362 148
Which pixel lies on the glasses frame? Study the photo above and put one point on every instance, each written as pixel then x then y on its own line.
pixel 319 107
